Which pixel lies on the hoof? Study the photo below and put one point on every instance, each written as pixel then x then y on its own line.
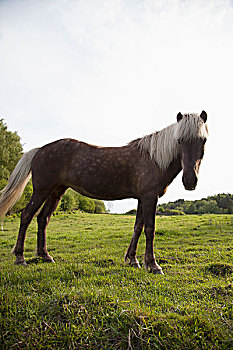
pixel 20 262
pixel 132 262
pixel 154 268
pixel 48 259
pixel 45 257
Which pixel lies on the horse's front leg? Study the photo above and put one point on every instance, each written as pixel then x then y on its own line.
pixel 149 209
pixel 131 251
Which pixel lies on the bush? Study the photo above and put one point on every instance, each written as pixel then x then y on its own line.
pixel 169 212
pixel 99 207
pixel 86 204
pixel 73 201
pixel 131 212
pixel 67 202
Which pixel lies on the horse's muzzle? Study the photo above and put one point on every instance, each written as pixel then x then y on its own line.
pixel 190 182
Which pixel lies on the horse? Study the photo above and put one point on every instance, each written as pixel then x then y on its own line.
pixel 142 169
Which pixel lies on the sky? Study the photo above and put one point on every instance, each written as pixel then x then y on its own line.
pixel 110 71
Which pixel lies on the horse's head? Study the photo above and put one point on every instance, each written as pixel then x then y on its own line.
pixel 191 136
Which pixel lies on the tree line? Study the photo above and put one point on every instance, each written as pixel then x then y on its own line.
pixel 219 204
pixel 11 151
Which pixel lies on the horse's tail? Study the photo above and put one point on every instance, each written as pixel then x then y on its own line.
pixel 17 182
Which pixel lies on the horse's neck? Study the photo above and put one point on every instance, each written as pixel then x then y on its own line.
pixel 173 170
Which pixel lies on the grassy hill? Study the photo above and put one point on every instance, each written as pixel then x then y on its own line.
pixel 90 300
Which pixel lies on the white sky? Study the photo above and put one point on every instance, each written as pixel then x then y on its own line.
pixel 109 71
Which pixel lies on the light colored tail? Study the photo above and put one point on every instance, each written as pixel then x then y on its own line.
pixel 17 182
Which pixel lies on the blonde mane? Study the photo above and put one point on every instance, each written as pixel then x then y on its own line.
pixel 162 146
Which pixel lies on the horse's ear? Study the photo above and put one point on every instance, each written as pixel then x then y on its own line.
pixel 179 117
pixel 203 116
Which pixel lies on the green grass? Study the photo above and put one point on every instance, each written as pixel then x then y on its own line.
pixel 90 300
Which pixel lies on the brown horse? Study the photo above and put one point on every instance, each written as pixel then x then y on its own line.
pixel 143 169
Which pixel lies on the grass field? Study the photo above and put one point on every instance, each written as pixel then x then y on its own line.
pixel 90 300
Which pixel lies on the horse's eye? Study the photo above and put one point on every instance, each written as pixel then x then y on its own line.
pixel 178 141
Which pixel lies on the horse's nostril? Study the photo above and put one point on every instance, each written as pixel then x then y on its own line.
pixel 190 188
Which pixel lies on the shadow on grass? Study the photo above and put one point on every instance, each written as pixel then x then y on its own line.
pixel 104 262
pixel 219 269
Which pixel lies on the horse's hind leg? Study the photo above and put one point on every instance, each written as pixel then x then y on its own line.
pixel 138 227
pixel 26 217
pixel 43 221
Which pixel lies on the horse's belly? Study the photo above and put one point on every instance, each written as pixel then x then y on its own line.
pixel 103 193
pixel 108 186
